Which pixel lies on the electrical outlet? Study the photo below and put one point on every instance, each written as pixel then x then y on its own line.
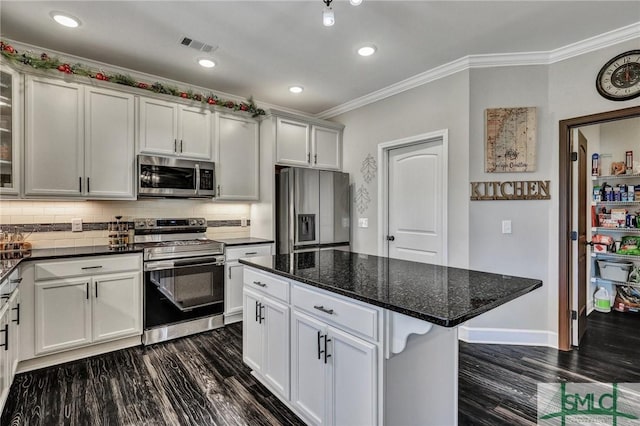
pixel 506 226
pixel 243 222
pixel 363 222
pixel 76 225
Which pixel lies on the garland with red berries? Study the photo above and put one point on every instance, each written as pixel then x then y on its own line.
pixel 45 62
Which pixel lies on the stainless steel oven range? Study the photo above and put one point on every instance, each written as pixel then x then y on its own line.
pixel 183 278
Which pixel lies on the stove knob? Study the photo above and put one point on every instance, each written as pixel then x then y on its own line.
pixel 193 222
pixel 140 224
pixel 202 222
pixel 151 222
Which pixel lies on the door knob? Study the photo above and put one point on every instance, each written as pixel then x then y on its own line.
pixel 391 238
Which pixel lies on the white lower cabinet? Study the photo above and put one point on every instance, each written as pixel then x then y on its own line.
pixel 266 340
pixel 9 341
pixel 334 374
pixel 77 311
pixel 233 277
pixel 116 306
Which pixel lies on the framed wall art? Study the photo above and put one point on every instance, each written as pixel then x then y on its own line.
pixel 510 140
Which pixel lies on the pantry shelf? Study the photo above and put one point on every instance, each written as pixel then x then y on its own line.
pixel 624 230
pixel 599 280
pixel 615 203
pixel 597 178
pixel 616 256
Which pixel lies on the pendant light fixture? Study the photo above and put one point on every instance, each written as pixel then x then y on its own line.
pixel 328 17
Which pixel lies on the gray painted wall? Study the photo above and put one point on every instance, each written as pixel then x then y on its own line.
pixel 562 90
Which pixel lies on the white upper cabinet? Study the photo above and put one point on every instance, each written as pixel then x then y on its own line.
pixel 292 142
pixel 171 129
pixel 54 139
pixel 194 136
pixel 237 157
pixel 10 130
pixel 326 147
pixel 303 144
pixel 109 143
pixel 158 127
pixel 79 141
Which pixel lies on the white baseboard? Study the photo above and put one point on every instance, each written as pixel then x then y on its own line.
pixel 508 336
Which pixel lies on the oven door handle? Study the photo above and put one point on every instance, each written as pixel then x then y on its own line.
pixel 163 266
pixel 197 170
pixel 208 260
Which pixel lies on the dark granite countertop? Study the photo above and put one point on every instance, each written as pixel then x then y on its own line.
pixel 8 265
pixel 243 241
pixel 438 294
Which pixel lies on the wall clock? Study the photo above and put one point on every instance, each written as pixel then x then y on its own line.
pixel 619 79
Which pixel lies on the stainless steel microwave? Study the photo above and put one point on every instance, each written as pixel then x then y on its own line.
pixel 175 177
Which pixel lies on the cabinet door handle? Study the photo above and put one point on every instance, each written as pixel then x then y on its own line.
pixel 16 280
pixel 250 253
pixel 96 286
pixel 80 184
pixel 17 309
pixel 84 268
pixel 258 283
pixel 261 316
pixel 231 267
pixel 309 157
pixel 180 145
pixel 175 145
pixel 218 190
pixel 326 349
pixel 323 309
pixel 256 311
pixel 6 337
pixel 87 290
pixel 88 184
pixel 319 350
pixel 315 158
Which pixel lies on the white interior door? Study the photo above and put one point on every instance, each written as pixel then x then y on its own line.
pixel 417 202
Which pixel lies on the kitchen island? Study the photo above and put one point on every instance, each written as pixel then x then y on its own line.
pixel 348 338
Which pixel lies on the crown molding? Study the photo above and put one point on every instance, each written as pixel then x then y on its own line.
pixel 591 44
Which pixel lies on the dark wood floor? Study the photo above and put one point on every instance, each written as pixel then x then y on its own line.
pixel 201 380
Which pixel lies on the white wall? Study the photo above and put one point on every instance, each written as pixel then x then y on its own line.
pixel 442 105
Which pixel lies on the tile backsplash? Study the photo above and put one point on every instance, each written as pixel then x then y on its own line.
pixel 224 218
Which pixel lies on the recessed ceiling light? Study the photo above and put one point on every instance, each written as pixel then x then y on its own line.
pixel 65 19
pixel 207 63
pixel 355 2
pixel 367 50
pixel 296 89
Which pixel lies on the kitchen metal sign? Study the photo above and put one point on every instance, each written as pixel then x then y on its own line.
pixel 510 190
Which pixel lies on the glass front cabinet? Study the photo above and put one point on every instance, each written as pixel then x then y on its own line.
pixel 9 130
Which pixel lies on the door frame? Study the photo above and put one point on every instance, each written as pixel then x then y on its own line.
pixel 438 136
pixel 565 201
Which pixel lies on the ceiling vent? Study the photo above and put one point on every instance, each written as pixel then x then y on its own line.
pixel 197 45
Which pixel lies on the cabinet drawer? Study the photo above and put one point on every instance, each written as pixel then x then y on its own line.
pixel 267 284
pixel 347 315
pixel 247 251
pixel 86 266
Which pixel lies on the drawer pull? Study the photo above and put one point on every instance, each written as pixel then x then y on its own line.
pixel 323 309
pixel 16 280
pixel 258 283
pixel 250 253
pixel 90 267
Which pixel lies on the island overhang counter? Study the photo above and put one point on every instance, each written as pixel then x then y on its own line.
pixel 349 338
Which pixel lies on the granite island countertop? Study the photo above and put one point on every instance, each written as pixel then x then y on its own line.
pixel 8 265
pixel 243 241
pixel 442 295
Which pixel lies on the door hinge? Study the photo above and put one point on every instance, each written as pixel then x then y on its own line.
pixel 574 156
pixel 574 235
pixel 574 315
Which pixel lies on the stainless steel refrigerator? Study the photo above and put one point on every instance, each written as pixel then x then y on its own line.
pixel 312 210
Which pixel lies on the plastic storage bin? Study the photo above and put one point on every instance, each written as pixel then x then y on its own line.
pixel 615 270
